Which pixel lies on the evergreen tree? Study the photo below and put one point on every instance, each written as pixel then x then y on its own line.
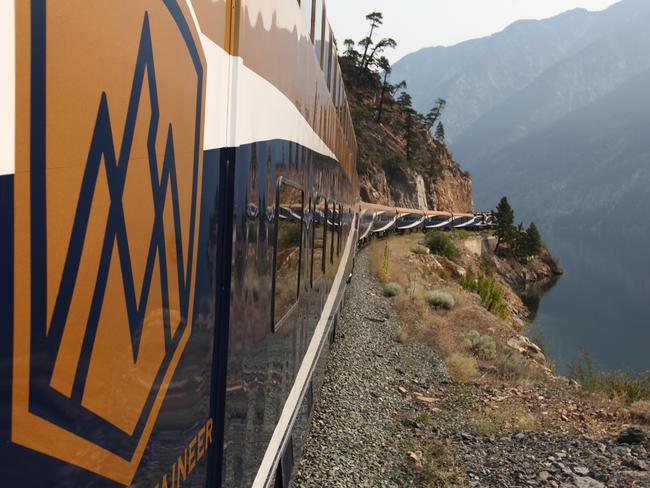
pixel 376 20
pixel 434 114
pixel 440 133
pixel 351 53
pixel 406 103
pixel 385 66
pixel 505 227
pixel 533 240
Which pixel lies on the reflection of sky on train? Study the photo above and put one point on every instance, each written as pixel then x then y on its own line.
pixel 600 304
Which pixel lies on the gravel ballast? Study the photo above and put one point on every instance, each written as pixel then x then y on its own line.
pixel 356 436
pixel 388 416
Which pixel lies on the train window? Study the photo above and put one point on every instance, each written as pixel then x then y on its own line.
pixel 318 236
pixel 287 257
pixel 332 61
pixel 327 61
pixel 307 10
pixel 319 29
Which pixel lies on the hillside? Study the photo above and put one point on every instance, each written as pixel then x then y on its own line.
pixel 431 179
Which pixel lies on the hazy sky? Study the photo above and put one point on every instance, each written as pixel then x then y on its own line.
pixel 415 24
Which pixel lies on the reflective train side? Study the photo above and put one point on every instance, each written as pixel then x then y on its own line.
pixel 178 191
pixel 179 216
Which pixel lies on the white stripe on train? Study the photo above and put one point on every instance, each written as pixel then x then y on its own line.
pixel 239 98
pixel 7 87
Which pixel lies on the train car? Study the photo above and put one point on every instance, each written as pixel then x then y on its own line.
pixel 366 222
pixel 464 221
pixel 384 218
pixel 410 219
pixel 437 220
pixel 178 195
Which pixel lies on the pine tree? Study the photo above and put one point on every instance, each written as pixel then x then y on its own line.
pixel 505 228
pixel 434 114
pixel 533 240
pixel 440 133
pixel 385 66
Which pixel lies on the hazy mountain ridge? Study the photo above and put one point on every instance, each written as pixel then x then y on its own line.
pixel 555 115
pixel 570 84
pixel 590 169
pixel 478 75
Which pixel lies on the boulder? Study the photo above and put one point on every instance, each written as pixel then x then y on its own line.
pixel 528 348
pixel 631 435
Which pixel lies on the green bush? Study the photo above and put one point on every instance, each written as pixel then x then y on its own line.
pixel 462 234
pixel 484 347
pixel 493 295
pixel 441 299
pixel 419 250
pixel 393 289
pixel 623 385
pixel 440 244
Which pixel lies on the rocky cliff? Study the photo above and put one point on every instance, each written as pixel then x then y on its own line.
pixel 430 179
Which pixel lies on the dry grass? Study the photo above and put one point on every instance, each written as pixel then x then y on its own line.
pixel 462 368
pixel 641 411
pixel 434 463
pixel 513 368
pixel 510 416
pixel 445 330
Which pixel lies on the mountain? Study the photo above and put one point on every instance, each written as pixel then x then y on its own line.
pixel 570 84
pixel 552 113
pixel 478 75
pixel 589 171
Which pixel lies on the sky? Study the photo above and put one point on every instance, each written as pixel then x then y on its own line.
pixel 415 24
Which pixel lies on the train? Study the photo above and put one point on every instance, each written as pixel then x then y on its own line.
pixel 380 220
pixel 179 217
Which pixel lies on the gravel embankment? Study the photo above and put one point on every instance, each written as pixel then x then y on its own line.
pixel 389 417
pixel 356 437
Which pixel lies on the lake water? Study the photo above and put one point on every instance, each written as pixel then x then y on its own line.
pixel 601 304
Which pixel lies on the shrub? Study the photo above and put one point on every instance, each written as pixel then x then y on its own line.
pixel 515 368
pixel 440 244
pixel 462 368
pixel 623 385
pixel 493 295
pixel 385 266
pixel 462 234
pixel 484 347
pixel 419 250
pixel 641 410
pixel 393 289
pixel 441 299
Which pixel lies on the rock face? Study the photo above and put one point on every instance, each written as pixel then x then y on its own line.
pixel 425 178
pixel 449 191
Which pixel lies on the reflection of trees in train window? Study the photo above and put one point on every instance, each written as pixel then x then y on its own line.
pixel 288 249
pixel 340 231
pixel 319 237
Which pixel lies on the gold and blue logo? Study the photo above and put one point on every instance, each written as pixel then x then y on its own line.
pixel 106 193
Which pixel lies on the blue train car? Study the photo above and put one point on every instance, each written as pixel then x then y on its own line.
pixel 178 197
